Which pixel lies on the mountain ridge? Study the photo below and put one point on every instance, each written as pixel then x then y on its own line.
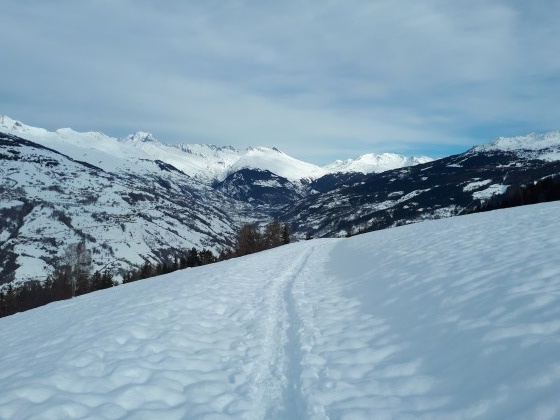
pixel 135 204
pixel 218 162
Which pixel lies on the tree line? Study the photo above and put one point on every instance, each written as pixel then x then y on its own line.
pixel 191 258
pixel 541 191
pixel 72 274
pixel 250 239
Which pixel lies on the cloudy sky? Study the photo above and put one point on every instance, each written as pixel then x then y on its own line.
pixel 319 79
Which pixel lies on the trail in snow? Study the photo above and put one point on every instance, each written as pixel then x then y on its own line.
pixel 457 318
pixel 275 372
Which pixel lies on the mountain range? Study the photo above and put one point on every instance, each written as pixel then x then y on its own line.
pixel 137 199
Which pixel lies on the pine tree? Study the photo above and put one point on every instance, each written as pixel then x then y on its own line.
pixel 226 254
pixel 193 259
pixel 101 281
pixel 206 257
pixel 10 300
pixel 286 239
pixel 3 305
pixel 146 271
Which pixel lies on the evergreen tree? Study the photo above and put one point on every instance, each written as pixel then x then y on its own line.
pixel 3 305
pixel 60 283
pixel 206 257
pixel 193 259
pixel 146 271
pixel 101 281
pixel 286 239
pixel 10 300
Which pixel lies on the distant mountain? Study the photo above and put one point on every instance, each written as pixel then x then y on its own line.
pixel 201 161
pixel 441 188
pixel 537 146
pixel 144 210
pixel 207 163
pixel 136 199
pixel 371 162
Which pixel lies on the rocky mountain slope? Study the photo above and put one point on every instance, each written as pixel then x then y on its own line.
pixel 49 200
pixel 446 187
pixel 136 199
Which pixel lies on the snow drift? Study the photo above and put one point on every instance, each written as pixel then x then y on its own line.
pixel 455 318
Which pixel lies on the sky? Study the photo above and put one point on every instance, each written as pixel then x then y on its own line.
pixel 320 80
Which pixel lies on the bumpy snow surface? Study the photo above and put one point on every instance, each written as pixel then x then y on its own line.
pixel 456 318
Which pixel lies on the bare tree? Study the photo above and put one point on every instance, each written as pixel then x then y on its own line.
pixel 248 240
pixel 273 234
pixel 77 262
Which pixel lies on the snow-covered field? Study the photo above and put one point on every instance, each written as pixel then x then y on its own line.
pixel 456 318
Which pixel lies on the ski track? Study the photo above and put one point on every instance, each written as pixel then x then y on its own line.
pixel 276 371
pixel 379 326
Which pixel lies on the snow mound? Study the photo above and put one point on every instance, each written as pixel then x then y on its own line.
pixel 455 318
pixel 375 163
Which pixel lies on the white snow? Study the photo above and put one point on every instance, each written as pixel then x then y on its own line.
pixel 542 146
pixel 94 148
pixel 8 204
pixel 490 191
pixel 277 162
pixel 204 162
pixel 455 318
pixel 201 161
pixel 476 185
pixel 374 163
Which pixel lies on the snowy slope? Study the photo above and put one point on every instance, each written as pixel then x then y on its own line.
pixel 539 146
pixel 275 161
pixel 374 163
pixel 50 201
pixel 456 318
pixel 94 148
pixel 203 162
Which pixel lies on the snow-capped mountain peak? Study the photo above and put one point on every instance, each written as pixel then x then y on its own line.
pixel 140 137
pixel 543 146
pixel 532 141
pixel 275 161
pixel 372 162
pixel 92 147
pixel 207 163
pixel 10 125
pixel 129 191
